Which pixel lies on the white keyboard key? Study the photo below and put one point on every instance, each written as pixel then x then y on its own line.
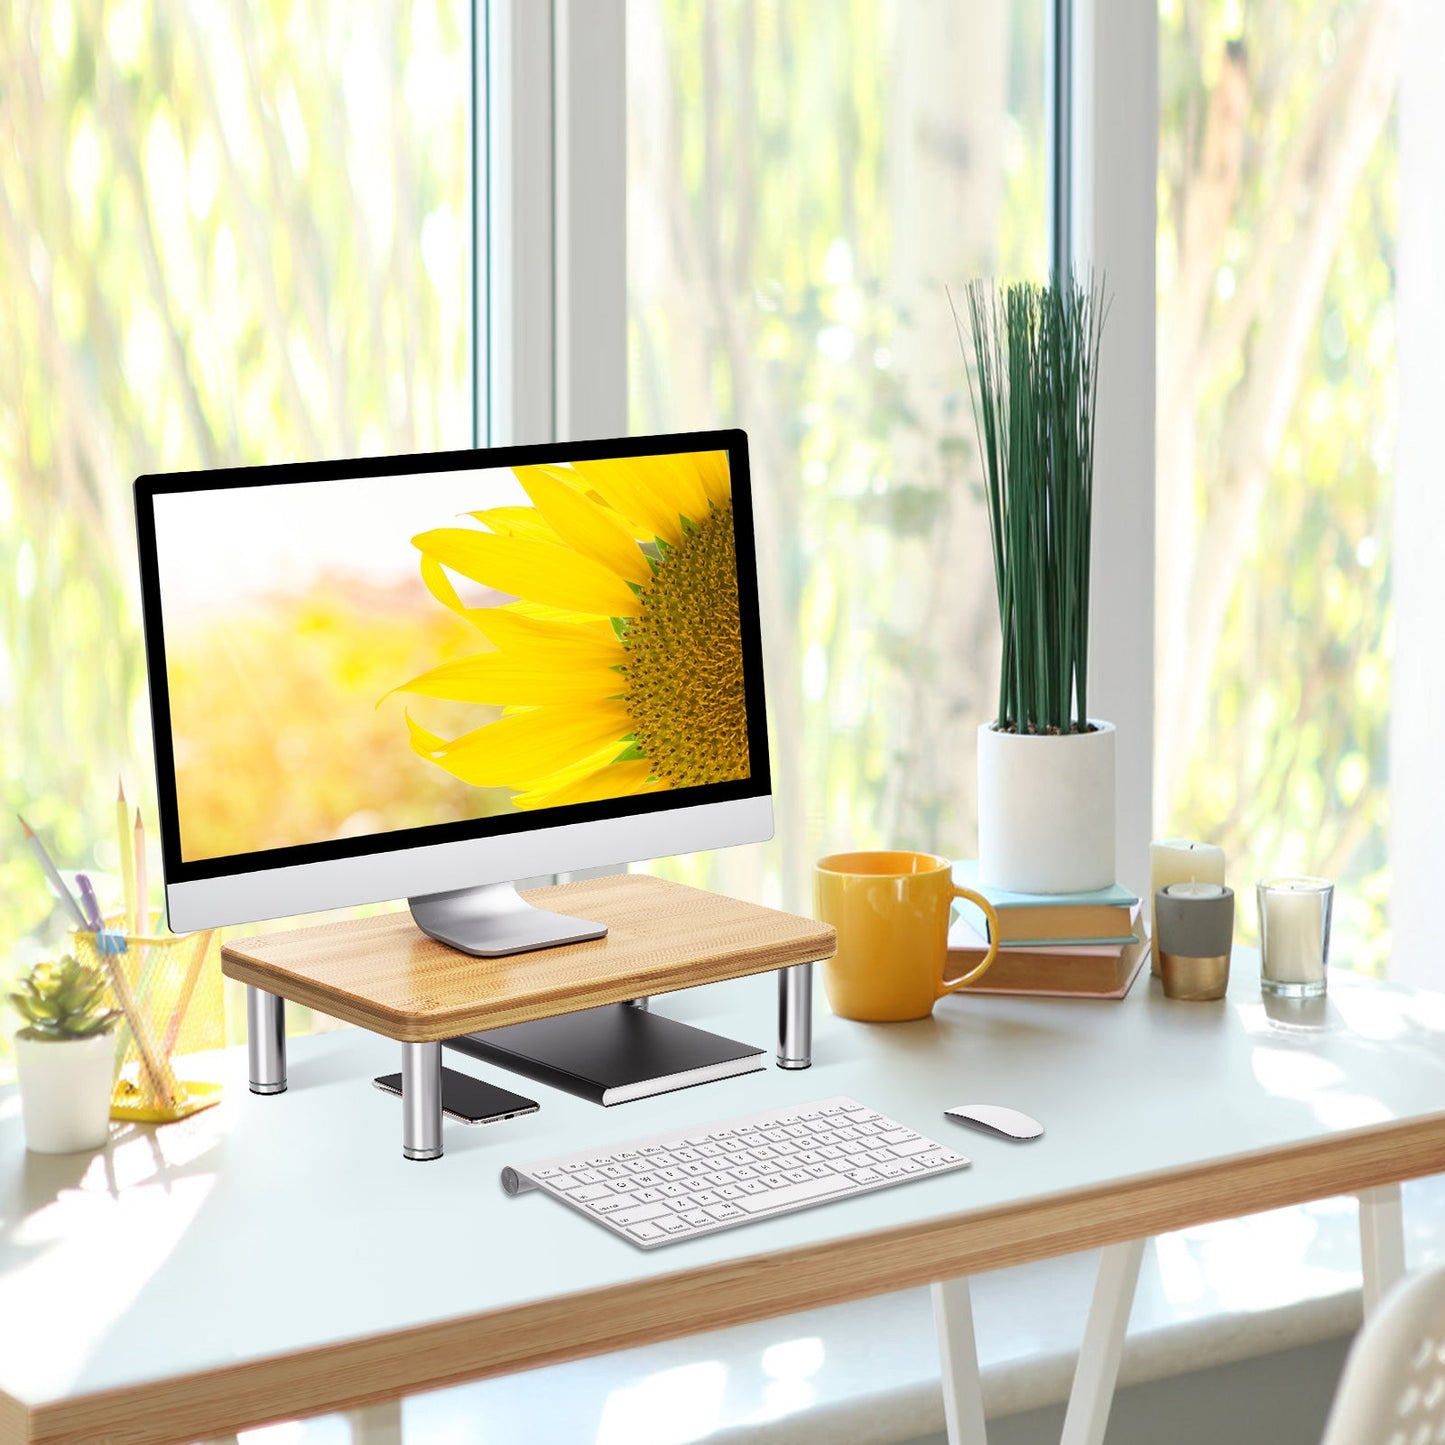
pixel 910 1147
pixel 794 1194
pixel 646 1231
pixel 670 1224
pixel 588 1192
pixel 639 1214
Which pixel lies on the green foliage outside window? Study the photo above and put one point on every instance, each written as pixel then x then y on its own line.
pixel 1277 416
pixel 230 233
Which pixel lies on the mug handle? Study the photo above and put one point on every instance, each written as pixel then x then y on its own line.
pixel 947 985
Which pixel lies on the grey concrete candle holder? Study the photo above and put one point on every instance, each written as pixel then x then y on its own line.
pixel 1194 939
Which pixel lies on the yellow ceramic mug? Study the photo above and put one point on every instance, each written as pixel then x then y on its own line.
pixel 891 911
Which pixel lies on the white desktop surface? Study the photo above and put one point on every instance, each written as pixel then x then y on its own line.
pixel 271 1226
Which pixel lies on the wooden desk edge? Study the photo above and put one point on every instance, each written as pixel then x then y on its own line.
pixel 368 1371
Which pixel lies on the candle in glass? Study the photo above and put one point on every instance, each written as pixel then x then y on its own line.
pixel 1178 860
pixel 1294 935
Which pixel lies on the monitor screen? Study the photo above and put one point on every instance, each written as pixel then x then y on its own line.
pixel 377 678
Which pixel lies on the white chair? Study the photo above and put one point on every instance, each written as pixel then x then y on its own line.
pixel 1392 1389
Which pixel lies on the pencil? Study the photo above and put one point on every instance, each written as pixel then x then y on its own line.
pixel 142 891
pixel 120 986
pixel 125 838
pixel 183 999
pixel 53 874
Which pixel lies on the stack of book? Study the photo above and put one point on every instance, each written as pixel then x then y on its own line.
pixel 1074 945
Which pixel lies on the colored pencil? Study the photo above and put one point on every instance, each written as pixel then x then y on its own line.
pixel 53 874
pixel 126 839
pixel 142 891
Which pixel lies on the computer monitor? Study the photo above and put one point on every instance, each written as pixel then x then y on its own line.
pixel 425 677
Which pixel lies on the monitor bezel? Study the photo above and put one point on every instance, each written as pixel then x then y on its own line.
pixel 571 823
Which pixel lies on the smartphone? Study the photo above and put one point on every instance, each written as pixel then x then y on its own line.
pixel 469 1100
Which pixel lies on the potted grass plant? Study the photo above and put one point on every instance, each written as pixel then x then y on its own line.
pixel 65 1056
pixel 1045 766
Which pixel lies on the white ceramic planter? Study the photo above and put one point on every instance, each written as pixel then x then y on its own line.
pixel 1046 810
pixel 65 1091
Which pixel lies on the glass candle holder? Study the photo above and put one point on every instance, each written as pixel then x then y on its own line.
pixel 1294 935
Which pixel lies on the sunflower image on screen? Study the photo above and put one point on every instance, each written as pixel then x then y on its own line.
pixel 618 665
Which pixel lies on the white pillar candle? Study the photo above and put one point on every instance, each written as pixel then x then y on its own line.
pixel 1177 860
pixel 1294 926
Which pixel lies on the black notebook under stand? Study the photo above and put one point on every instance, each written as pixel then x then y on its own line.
pixel 612 1054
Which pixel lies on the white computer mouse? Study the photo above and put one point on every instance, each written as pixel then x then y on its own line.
pixel 996 1119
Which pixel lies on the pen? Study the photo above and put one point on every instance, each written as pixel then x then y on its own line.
pixel 56 881
pixel 88 902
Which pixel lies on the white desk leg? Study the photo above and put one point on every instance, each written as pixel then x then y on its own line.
pixel 421 1101
pixel 958 1357
pixel 795 1016
pixel 266 1040
pixel 376 1425
pixel 1382 1241
pixel 1098 1367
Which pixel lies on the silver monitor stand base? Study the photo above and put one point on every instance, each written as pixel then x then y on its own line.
pixel 494 920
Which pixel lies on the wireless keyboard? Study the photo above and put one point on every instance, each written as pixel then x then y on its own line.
pixel 677 1186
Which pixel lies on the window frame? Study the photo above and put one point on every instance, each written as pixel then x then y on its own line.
pixel 556 260
pixel 552 213
pixel 1112 151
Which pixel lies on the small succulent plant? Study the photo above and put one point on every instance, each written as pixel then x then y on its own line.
pixel 64 1000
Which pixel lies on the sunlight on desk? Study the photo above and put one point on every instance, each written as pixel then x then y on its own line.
pixel 1292 1075
pixel 89 1242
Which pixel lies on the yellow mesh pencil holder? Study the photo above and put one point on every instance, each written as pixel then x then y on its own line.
pixel 169 992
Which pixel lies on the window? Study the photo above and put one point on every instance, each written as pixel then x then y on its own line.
pixel 800 194
pixel 229 234
pixel 1277 426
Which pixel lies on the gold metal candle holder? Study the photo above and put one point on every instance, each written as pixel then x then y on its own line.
pixel 1195 933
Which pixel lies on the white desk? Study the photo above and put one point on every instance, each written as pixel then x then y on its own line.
pixel 270 1258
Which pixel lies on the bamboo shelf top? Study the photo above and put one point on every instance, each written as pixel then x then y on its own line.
pixel 385 974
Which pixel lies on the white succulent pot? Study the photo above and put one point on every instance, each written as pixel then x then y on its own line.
pixel 1046 810
pixel 65 1089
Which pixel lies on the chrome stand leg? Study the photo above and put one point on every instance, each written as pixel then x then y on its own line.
pixel 376 1424
pixel 644 1003
pixel 958 1359
pixel 266 1040
pixel 421 1101
pixel 1098 1368
pixel 1382 1242
pixel 795 1016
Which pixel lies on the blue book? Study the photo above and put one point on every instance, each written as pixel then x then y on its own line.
pixel 1103 915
